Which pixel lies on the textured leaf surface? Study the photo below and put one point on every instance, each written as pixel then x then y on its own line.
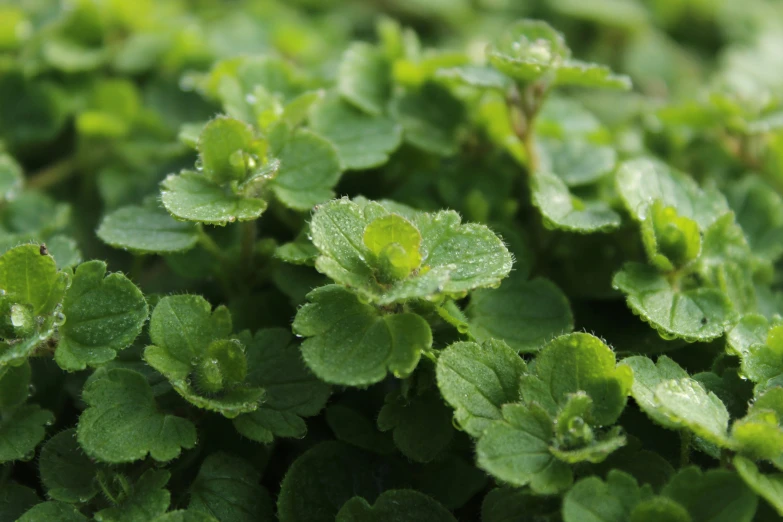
pixel 564 211
pixel 66 471
pixel 21 430
pixel 393 506
pixel 713 496
pixel 146 230
pixel 147 500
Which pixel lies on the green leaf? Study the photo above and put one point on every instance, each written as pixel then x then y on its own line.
pixel 15 499
pixel 30 278
pixel 659 509
pixel 393 506
pixel 475 76
pixel 575 160
pixel 524 314
pixel 768 487
pixel 228 488
pixel 66 472
pixel 123 424
pixel 21 430
pixel 355 344
pixel 760 433
pixel 292 392
pixel 516 450
pixel 759 211
pixel 508 504
pixel 714 496
pixel 435 480
pixel 14 385
pixel 191 196
pixel 759 345
pixel 430 117
pixel 309 170
pixel 182 515
pixel 643 181
pixel 147 230
pixel 576 440
pixel 584 74
pixel 225 145
pixel 52 510
pixel 579 362
pixel 352 424
pixel 684 403
pixel 10 177
pixel 701 314
pixel 594 500
pixel 477 380
pixel 363 78
pixel 421 424
pixel 103 316
pixel 455 257
pixel 64 250
pixel 362 140
pixel 562 210
pixel 527 50
pixel 147 499
pixel 646 378
pixel 671 241
pixel 395 245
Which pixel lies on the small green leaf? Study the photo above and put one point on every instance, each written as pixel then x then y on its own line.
pixel 362 141
pixel 671 241
pixel 146 500
pixel 528 50
pixel 575 160
pixel 225 145
pixel 717 495
pixel 292 392
pixel 354 344
pixel 646 378
pixel 759 211
pixel 64 250
pixel 15 499
pixel 475 76
pixel 147 230
pixel 701 314
pixel 53 510
pixel 759 345
pixel 10 177
pixel 524 314
pixel 363 78
pixel 191 196
pixel 684 403
pixel 309 170
pixel 395 244
pixel 394 506
pixel 477 380
pixel 430 117
pixel 21 430
pixel 659 509
pixel 643 181
pixel 14 385
pixel 516 450
pixel 102 316
pixel 562 210
pixel 584 74
pixel 123 423
pixel 352 424
pixel 768 487
pixel 28 277
pixel 228 488
pixel 594 500
pixel 66 472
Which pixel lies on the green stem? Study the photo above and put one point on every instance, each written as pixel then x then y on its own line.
pixel 209 244
pixel 686 438
pixel 53 174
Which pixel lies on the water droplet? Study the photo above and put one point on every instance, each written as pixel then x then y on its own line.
pixel 31 390
pixel 199 165
pixel 251 99
pixel 231 219
pixel 2 292
pixel 59 318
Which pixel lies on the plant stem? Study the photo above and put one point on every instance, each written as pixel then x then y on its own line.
pixel 52 174
pixel 686 438
pixel 249 231
pixel 209 244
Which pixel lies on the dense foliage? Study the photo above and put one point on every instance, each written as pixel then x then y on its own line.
pixel 395 260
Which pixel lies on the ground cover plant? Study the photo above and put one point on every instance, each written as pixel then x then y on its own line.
pixel 391 261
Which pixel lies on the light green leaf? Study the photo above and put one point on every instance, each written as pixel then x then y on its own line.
pixel 701 314
pixel 660 509
pixel 53 510
pixel 671 241
pixel 516 450
pixel 584 74
pixel 643 181
pixel 11 177
pixel 717 495
pixel 30 278
pixel 528 50
pixel 524 314
pixel 147 230
pixel 123 424
pixel 21 430
pixel 64 250
pixel 455 257
pixel 191 196
pixel 292 392
pixel 477 380
pixel 228 488
pixel 147 500
pixel 475 76
pixel 66 472
pixel 225 145
pixel 102 316
pixel 575 160
pixel 355 344
pixel 579 362
pixel 562 210
pixel 768 487
pixel 362 141
pixel 309 170
pixel 759 345
pixel 759 211
pixel 394 506
pixel 684 403
pixel 363 78
pixel 395 245
pixel 430 117
pixel 594 500
pixel 646 378
pixel 595 451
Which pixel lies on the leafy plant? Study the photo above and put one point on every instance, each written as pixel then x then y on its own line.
pixel 400 260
